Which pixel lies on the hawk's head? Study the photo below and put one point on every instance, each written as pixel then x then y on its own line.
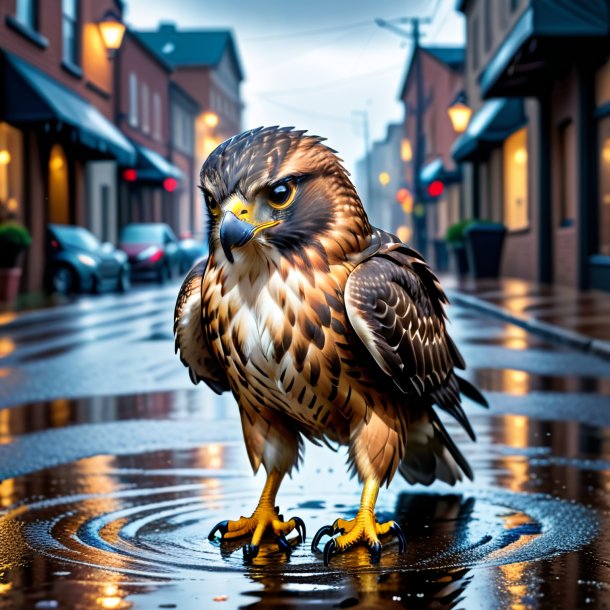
pixel 277 188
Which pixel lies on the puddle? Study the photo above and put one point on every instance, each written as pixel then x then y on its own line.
pixel 127 527
pixel 512 381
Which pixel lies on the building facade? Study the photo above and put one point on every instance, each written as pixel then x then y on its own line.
pixel 150 190
pixel 381 200
pixel 207 67
pixel 98 137
pixel 58 144
pixel 538 81
pixel 433 80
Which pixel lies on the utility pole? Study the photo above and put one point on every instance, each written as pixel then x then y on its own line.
pixel 419 221
pixel 364 115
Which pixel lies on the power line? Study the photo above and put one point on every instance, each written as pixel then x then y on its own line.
pixel 328 30
pixel 305 111
pixel 332 84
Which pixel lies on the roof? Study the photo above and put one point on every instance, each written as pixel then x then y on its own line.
pixel 153 53
pixel 34 97
pixel 191 48
pixel 453 57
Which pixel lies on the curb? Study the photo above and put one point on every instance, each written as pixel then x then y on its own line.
pixel 565 337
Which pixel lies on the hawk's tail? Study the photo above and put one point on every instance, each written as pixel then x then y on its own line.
pixel 431 454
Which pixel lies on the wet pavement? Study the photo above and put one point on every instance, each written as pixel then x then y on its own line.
pixel 109 485
pixel 574 317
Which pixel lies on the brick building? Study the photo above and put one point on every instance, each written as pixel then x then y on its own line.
pixel 58 143
pixel 536 153
pixel 207 68
pixel 436 190
pixel 149 189
pixel 99 138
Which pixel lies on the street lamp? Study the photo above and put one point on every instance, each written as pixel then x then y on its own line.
pixel 210 119
pixel 459 113
pixel 112 30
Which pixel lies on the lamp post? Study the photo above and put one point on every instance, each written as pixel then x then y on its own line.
pixel 210 119
pixel 459 113
pixel 112 31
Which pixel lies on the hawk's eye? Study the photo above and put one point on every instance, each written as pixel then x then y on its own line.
pixel 281 195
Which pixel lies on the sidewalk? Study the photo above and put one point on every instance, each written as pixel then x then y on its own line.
pixel 560 313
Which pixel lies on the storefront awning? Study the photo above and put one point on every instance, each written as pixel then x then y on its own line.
pixel 436 170
pixel 31 96
pixel 490 125
pixel 153 167
pixel 547 33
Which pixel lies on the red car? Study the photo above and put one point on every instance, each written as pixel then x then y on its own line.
pixel 152 249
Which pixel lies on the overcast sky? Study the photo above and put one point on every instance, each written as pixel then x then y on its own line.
pixel 311 63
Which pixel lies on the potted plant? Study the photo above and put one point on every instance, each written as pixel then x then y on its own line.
pixel 455 244
pixel 14 239
pixel 484 240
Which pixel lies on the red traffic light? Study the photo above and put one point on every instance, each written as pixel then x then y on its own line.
pixel 170 184
pixel 130 175
pixel 436 188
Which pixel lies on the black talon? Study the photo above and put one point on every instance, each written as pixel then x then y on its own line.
pixel 299 526
pixel 222 527
pixel 283 545
pixel 326 530
pixel 375 551
pixel 250 552
pixel 402 541
pixel 329 549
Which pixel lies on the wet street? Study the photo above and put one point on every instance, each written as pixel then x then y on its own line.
pixel 113 469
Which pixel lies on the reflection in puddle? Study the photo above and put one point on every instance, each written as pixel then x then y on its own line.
pixel 121 531
pixel 520 383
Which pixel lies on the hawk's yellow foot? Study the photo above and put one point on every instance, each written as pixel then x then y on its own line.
pixel 265 518
pixel 363 529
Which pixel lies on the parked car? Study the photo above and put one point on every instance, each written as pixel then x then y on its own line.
pixel 76 261
pixel 191 251
pixel 152 249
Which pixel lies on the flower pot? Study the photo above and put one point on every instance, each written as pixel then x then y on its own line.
pixel 9 284
pixel 484 244
pixel 459 258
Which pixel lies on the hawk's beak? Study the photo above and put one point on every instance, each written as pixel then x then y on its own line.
pixel 235 232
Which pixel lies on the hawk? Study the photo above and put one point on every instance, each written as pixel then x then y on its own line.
pixel 323 328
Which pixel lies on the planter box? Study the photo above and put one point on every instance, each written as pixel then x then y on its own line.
pixel 459 259
pixel 484 244
pixel 9 284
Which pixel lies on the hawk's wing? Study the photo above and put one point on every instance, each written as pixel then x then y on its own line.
pixel 395 304
pixel 195 353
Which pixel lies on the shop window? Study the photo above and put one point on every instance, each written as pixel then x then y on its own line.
pixel 145 109
pixel 70 32
pixel 26 13
pixel 567 176
pixel 11 172
pixel 516 209
pixel 133 99
pixel 604 186
pixel 157 116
